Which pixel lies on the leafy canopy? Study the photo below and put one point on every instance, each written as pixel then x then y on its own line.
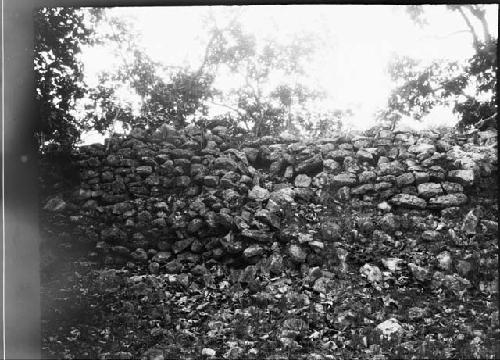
pixel 469 88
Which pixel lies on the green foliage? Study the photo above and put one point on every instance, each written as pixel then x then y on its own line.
pixel 59 35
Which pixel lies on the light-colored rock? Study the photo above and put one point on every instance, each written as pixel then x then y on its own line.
pixel 409 201
pixel 405 179
pixel 55 204
pixel 283 196
pixel 464 177
pixel 451 187
pixel 253 250
pixel 302 180
pixel 421 148
pixel 258 193
pixel 372 273
pixel 449 200
pixel 384 206
pixel 362 189
pixel 470 223
pixel 367 176
pixel 429 190
pixel 444 260
pixel 144 170
pixel 317 244
pixel 393 264
pixel 391 168
pixel 364 155
pixel 390 327
pixel 344 179
pixel 322 285
pixel 344 193
pixel 297 254
pixel 208 352
pixel 305 238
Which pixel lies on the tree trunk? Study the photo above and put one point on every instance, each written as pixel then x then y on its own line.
pixel 480 14
pixel 289 118
pixel 475 39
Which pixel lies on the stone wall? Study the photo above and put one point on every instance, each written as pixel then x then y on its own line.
pixel 179 196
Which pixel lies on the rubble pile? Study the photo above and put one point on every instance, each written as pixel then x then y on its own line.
pixel 360 246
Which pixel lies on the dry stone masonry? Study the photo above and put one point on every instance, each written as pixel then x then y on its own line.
pixel 176 197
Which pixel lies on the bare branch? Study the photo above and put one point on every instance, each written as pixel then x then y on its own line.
pixel 445 36
pixel 479 13
pixel 485 122
pixel 475 39
pixel 226 106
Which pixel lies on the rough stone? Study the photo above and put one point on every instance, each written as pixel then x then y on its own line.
pixel 297 254
pixel 331 166
pixel 225 163
pixel 258 235
pixel 451 187
pixel 302 180
pixel 55 204
pixel 252 251
pixel 429 190
pixel 310 166
pixel 444 260
pixel 162 257
pixel 367 176
pixel 470 223
pixel 409 201
pixel 144 170
pixel 372 273
pixel 344 179
pixel 344 193
pixel 362 189
pixel 391 168
pixel 259 194
pixel 421 177
pixel 431 235
pixel 449 200
pixel 390 328
pixel 464 177
pixel 211 181
pixel 405 179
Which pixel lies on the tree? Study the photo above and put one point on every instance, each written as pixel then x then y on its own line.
pixel 59 36
pixel 270 74
pixel 168 94
pixel 469 87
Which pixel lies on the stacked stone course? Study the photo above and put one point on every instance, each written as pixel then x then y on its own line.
pixel 188 195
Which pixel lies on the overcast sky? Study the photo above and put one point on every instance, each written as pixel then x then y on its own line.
pixel 358 39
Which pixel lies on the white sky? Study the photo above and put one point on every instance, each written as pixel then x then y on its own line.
pixel 358 42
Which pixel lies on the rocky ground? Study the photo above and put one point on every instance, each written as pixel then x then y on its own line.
pixel 339 278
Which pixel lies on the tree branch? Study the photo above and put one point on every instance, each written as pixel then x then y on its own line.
pixel 484 122
pixel 480 14
pixel 226 106
pixel 445 36
pixel 216 32
pixel 469 25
